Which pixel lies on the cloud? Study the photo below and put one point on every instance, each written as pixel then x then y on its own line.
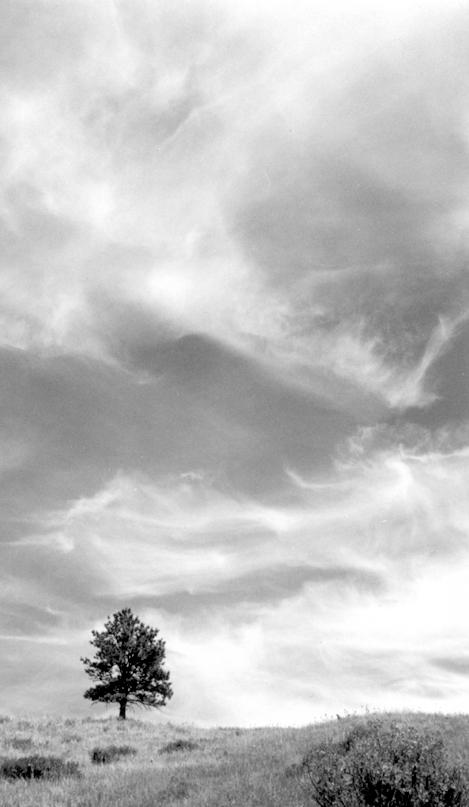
pixel 347 230
pixel 346 580
pixel 21 617
pixel 233 322
pixel 75 423
pixel 197 171
pixel 459 665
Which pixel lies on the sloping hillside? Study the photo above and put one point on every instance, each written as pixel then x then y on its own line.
pixel 176 765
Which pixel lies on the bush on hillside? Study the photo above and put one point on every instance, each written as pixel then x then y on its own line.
pixel 37 767
pixel 385 764
pixel 111 753
pixel 178 745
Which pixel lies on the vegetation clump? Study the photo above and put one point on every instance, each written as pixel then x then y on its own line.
pixel 111 753
pixel 179 745
pixel 21 743
pixel 37 767
pixel 384 763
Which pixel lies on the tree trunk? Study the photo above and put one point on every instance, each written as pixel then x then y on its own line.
pixel 122 708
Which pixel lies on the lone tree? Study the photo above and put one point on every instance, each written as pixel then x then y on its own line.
pixel 128 664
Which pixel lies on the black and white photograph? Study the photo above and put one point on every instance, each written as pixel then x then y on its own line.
pixel 234 403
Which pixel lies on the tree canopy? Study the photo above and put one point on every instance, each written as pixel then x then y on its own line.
pixel 128 664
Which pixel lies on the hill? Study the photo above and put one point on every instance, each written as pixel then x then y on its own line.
pixel 178 764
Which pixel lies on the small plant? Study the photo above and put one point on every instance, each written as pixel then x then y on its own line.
pixel 21 743
pixel 294 770
pixel 178 745
pixel 111 753
pixel 37 767
pixel 385 764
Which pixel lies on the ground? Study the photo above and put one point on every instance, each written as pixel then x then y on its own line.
pixel 226 767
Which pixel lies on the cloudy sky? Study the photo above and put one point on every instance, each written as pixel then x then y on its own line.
pixel 234 343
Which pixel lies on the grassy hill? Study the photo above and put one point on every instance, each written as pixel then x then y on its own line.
pixel 179 765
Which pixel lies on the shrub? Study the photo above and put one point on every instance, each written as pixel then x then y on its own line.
pixel 178 745
pixel 37 767
pixel 385 764
pixel 111 753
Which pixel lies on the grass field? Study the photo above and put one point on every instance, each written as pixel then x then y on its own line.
pixel 226 767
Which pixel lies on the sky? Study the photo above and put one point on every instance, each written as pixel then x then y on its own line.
pixel 234 340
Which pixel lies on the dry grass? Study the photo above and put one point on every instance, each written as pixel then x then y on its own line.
pixel 225 768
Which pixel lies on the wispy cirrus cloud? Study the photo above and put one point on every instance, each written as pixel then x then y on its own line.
pixel 156 168
pixel 384 540
pixel 233 328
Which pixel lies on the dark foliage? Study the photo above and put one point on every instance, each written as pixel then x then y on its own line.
pixel 128 664
pixel 385 764
pixel 111 753
pixel 178 745
pixel 37 767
